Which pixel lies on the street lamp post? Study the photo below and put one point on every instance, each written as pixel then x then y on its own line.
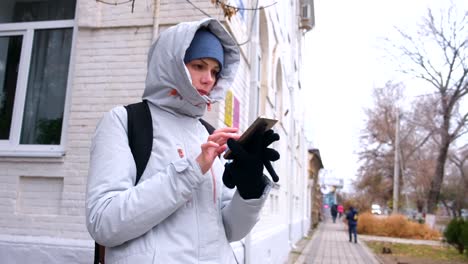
pixel 396 169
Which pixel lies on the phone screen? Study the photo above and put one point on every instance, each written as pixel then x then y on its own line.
pixel 261 122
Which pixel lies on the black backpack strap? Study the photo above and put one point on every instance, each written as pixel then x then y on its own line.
pixel 99 253
pixel 207 125
pixel 140 140
pixel 140 135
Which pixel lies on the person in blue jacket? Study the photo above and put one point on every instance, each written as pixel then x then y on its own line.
pixel 352 219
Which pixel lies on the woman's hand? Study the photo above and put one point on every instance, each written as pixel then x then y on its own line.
pixel 215 145
pixel 246 169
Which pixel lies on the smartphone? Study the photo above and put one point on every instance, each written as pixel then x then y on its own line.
pixel 261 122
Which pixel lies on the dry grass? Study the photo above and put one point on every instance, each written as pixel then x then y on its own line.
pixel 418 253
pixel 394 226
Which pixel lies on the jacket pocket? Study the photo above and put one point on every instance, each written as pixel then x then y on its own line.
pixel 181 165
pixel 138 250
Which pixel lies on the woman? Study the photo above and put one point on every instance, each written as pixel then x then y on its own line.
pixel 180 211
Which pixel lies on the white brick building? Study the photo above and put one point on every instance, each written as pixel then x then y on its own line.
pixel 63 63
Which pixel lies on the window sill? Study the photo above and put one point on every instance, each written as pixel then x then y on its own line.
pixel 4 154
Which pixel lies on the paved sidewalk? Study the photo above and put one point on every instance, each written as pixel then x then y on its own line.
pixel 330 245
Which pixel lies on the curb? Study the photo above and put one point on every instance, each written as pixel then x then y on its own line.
pixel 307 248
pixel 302 257
pixel 369 251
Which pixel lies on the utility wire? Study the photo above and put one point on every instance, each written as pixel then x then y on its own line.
pixel 199 9
pixel 115 3
pixel 118 3
pixel 249 9
pixel 255 9
pixel 206 14
pixel 251 25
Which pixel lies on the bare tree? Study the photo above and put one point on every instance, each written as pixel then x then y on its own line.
pixel 417 156
pixel 418 169
pixel 453 193
pixel 375 175
pixel 437 54
pixel 417 147
pixel 460 160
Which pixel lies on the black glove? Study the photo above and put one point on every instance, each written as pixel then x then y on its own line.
pixel 246 169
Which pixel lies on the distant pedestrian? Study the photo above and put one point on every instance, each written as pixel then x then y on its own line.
pixel 340 210
pixel 334 212
pixel 352 218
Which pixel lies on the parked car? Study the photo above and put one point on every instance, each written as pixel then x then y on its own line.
pixel 375 209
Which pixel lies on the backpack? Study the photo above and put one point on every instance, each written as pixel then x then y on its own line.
pixel 355 217
pixel 140 140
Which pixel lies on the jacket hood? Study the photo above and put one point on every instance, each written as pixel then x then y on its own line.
pixel 167 71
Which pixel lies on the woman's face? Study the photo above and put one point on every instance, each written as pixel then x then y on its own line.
pixel 203 73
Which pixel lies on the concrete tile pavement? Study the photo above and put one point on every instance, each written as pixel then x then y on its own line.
pixel 330 245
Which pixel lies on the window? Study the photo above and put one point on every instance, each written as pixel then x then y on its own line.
pixel 36 39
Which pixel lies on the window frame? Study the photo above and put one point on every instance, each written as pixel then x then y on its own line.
pixel 11 147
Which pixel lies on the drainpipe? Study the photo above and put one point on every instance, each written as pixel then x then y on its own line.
pixel 157 5
pixel 253 105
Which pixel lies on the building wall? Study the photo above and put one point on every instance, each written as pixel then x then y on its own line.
pixel 315 165
pixel 42 198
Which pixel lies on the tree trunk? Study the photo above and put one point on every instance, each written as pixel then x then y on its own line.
pixel 438 178
pixel 460 248
pixel 447 208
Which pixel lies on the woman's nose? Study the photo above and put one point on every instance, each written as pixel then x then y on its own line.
pixel 208 77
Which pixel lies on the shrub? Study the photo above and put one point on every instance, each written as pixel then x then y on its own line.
pixel 394 226
pixel 456 234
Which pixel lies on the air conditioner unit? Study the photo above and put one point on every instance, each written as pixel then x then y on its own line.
pixel 307 15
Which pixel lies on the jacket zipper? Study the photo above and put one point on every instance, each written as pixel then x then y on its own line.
pixel 214 185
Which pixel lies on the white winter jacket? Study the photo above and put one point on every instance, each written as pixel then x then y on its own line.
pixel 175 214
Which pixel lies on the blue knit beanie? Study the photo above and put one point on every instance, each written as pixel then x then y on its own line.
pixel 205 45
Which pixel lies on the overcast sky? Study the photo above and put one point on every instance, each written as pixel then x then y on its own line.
pixel 343 61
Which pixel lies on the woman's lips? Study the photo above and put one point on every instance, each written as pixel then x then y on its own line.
pixel 202 92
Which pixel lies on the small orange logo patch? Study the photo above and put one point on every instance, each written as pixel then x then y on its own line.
pixel 181 152
pixel 173 92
